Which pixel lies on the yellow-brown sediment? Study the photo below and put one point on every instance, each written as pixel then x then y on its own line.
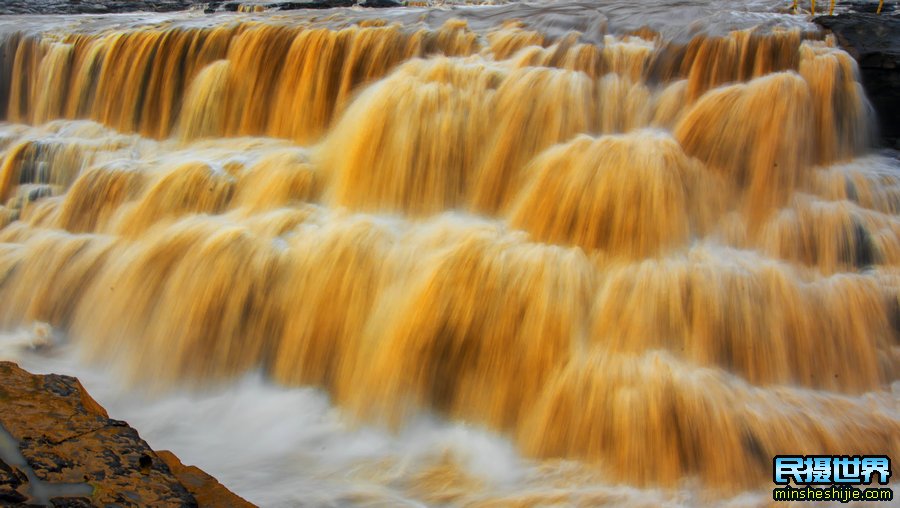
pixel 614 253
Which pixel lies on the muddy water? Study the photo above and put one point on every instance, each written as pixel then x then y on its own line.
pixel 631 256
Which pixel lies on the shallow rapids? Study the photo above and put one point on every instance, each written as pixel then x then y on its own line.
pixel 605 265
pixel 289 447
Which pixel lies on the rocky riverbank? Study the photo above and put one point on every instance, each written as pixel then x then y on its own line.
pixel 58 447
pixel 208 6
pixel 874 41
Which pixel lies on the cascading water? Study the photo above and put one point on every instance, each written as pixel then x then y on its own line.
pixel 648 260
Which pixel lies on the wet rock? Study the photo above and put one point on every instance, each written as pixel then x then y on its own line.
pixel 874 41
pixel 33 406
pixel 206 489
pixel 92 6
pixel 209 7
pixel 11 480
pixel 72 454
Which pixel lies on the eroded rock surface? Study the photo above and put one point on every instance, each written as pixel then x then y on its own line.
pixel 206 489
pixel 874 41
pixel 75 455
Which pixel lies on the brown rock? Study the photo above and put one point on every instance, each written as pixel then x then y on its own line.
pixel 206 489
pixel 11 480
pixel 71 448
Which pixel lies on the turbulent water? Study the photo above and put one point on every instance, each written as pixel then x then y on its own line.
pixel 488 256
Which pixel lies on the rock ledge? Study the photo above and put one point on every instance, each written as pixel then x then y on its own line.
pixel 874 41
pixel 58 447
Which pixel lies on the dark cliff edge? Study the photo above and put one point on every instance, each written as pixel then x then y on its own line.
pixel 874 41
pixel 208 6
pixel 58 447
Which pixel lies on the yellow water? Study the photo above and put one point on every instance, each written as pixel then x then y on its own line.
pixel 665 260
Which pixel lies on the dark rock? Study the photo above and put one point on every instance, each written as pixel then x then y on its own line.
pixel 381 4
pixel 11 480
pixel 316 4
pixel 206 489
pixel 78 455
pixel 92 6
pixel 874 41
pixel 8 497
pixel 11 475
pixel 209 7
pixel 70 502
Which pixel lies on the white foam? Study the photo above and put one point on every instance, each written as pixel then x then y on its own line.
pixel 283 447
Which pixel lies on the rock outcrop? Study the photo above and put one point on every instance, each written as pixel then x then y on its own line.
pixel 206 489
pixel 59 447
pixel 874 41
pixel 209 6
